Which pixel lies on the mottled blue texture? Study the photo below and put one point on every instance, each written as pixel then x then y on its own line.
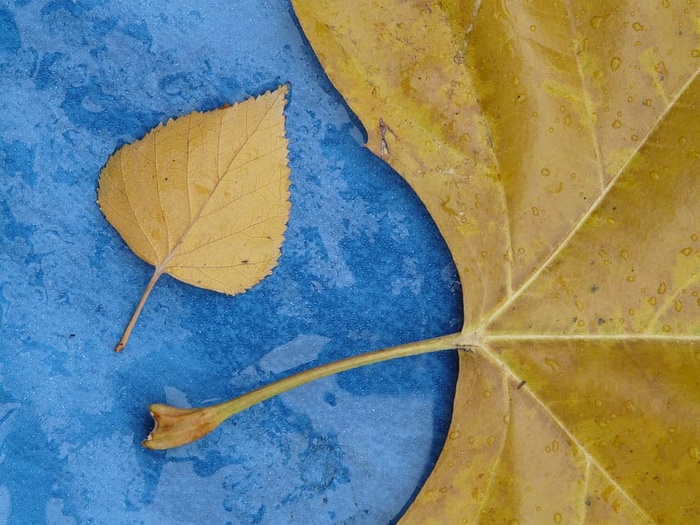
pixel 363 267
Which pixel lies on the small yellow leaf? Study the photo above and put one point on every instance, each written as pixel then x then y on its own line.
pixel 204 198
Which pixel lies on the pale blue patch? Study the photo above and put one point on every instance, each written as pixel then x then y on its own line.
pixel 55 515
pixel 302 349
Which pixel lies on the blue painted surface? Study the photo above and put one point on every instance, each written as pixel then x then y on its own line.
pixel 363 267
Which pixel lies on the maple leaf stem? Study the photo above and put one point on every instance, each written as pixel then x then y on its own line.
pixel 132 322
pixel 178 426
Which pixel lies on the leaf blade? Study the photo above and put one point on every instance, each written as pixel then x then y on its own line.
pixel 548 166
pixel 632 413
pixel 205 198
pixel 636 252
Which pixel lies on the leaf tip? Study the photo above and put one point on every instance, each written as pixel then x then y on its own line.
pixel 281 91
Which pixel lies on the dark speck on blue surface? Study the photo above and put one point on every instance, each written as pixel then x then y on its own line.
pixel 330 398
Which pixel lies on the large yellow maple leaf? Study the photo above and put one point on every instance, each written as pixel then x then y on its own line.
pixel 557 146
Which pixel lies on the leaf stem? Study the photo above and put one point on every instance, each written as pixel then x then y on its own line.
pixel 343 365
pixel 129 328
pixel 175 426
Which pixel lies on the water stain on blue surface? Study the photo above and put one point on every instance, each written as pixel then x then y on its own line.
pixel 74 8
pixel 31 465
pixel 105 26
pixel 10 40
pixel 18 66
pixel 182 87
pixel 232 503
pixel 17 159
pixel 13 232
pixel 138 31
pixel 16 244
pixel 48 74
pixel 321 465
pixel 88 106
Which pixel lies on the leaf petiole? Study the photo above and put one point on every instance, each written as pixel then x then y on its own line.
pixel 129 328
pixel 178 426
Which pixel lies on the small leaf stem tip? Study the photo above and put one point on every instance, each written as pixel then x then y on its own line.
pixel 132 322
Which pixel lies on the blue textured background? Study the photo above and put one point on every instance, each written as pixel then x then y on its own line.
pixel 363 267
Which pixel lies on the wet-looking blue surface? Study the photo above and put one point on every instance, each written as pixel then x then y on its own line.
pixel 363 267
